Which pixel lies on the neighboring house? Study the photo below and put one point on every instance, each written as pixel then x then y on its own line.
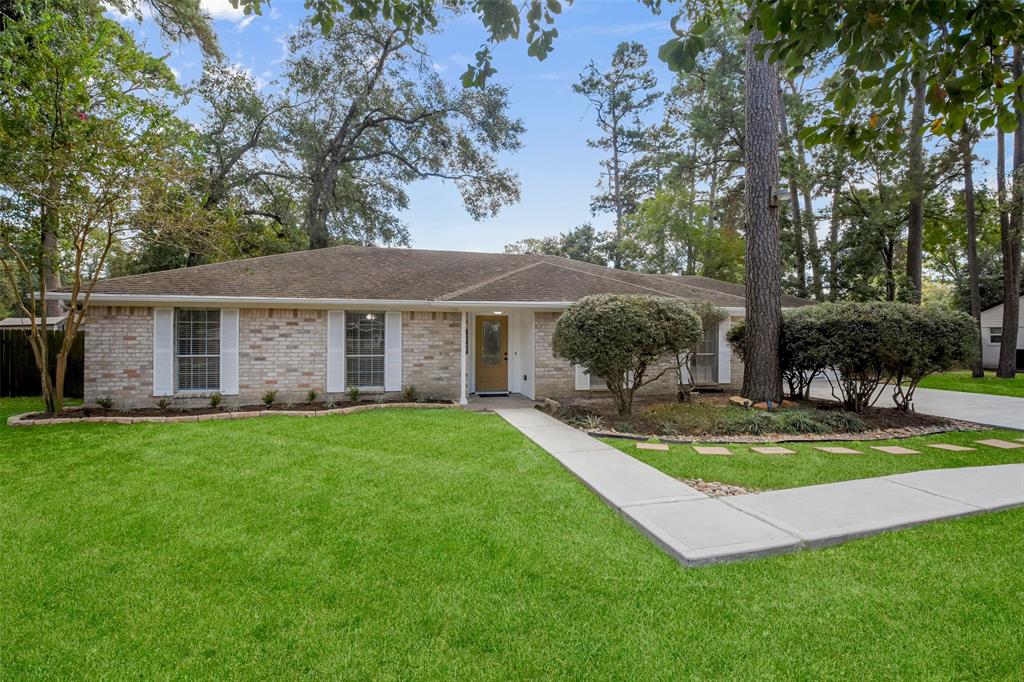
pixel 992 334
pixel 54 323
pixel 449 323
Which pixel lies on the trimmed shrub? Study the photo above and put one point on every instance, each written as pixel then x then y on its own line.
pixel 618 337
pixel 869 346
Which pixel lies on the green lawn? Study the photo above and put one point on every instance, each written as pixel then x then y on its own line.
pixel 441 545
pixel 963 381
pixel 809 466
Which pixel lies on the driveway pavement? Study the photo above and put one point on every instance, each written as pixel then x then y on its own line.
pixel 697 529
pixel 993 410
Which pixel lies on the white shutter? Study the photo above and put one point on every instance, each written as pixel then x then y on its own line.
pixel 724 353
pixel 582 379
pixel 336 351
pixel 163 351
pixel 229 351
pixel 393 351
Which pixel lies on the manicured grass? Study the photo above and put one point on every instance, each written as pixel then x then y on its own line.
pixel 809 466
pixel 441 545
pixel 963 381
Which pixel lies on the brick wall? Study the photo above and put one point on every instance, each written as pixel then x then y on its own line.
pixel 281 349
pixel 430 353
pixel 119 355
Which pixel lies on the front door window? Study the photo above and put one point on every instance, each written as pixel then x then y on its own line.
pixel 491 354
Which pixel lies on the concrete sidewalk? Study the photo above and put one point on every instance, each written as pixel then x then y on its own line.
pixel 992 410
pixel 697 529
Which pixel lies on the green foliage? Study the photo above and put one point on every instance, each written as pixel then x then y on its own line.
pixel 869 346
pixel 353 393
pixel 410 394
pixel 105 402
pixel 311 396
pixel 619 337
pixel 163 403
pixel 215 399
pixel 756 422
pixel 581 243
pixel 269 397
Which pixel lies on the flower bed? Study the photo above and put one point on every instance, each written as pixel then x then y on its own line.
pixel 156 415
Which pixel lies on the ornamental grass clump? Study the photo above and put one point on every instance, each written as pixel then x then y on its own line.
pixel 620 337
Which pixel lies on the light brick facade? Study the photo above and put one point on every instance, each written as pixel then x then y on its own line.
pixel 119 355
pixel 283 350
pixel 430 353
pixel 286 350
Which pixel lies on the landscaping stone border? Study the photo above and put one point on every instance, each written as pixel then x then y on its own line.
pixel 877 434
pixel 23 420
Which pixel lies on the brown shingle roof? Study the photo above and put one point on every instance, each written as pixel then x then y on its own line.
pixel 370 273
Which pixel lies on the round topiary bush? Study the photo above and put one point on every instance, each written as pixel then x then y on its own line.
pixel 618 337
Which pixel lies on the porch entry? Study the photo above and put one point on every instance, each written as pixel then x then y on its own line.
pixel 491 354
pixel 704 363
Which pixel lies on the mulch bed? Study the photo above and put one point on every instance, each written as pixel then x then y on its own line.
pixel 880 423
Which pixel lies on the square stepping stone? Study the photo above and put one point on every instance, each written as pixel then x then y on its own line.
pixel 1001 444
pixel 773 451
pixel 661 447
pixel 711 450
pixel 948 447
pixel 895 450
pixel 835 450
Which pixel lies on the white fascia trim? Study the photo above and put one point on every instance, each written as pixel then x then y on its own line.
pixel 273 301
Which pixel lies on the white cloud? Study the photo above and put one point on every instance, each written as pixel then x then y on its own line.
pixel 222 10
pixel 440 68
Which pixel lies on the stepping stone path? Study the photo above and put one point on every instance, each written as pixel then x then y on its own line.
pixel 948 446
pixel 895 450
pixel 711 450
pixel 661 447
pixel 1001 444
pixel 840 451
pixel 774 451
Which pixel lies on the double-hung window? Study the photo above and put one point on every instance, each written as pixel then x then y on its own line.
pixel 197 349
pixel 364 349
pixel 995 334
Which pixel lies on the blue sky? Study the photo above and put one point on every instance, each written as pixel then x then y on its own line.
pixel 557 169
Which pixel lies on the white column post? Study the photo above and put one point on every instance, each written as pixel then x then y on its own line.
pixel 462 371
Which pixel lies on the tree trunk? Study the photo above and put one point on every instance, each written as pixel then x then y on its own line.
pixel 1010 242
pixel 762 375
pixel 794 209
pixel 966 151
pixel 49 221
pixel 915 223
pixel 833 248
pixel 616 195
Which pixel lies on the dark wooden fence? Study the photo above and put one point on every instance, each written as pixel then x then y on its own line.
pixel 18 373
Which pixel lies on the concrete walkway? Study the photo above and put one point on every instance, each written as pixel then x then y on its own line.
pixel 993 410
pixel 697 529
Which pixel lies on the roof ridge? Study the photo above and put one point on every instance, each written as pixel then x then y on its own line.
pixel 609 277
pixel 458 292
pixel 648 276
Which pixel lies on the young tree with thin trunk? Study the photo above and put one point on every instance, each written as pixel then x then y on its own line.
pixel 915 176
pixel 620 97
pixel 795 218
pixel 762 376
pixel 967 154
pixel 87 149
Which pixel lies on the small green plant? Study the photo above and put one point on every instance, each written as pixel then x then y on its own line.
pixel 380 399
pixel 269 397
pixel 311 396
pixel 329 403
pixel 105 402
pixel 163 403
pixel 591 422
pixel 353 394
pixel 215 399
pixel 410 394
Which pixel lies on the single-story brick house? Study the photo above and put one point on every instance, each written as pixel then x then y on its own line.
pixel 449 323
